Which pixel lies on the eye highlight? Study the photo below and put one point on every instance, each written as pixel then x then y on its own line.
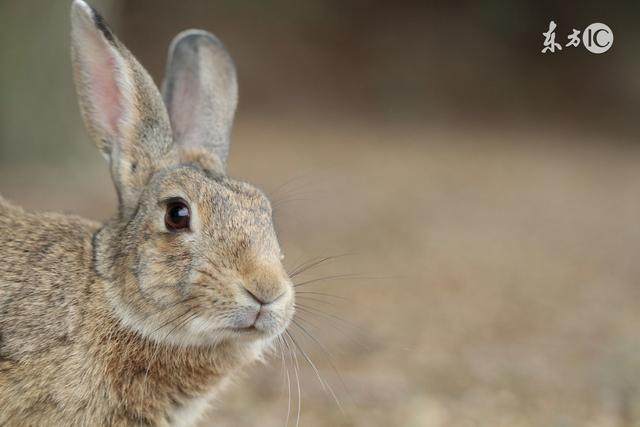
pixel 177 216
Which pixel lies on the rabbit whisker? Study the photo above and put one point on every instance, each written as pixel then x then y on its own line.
pixel 325 385
pixel 181 301
pixel 296 369
pixel 337 323
pixel 329 356
pixel 325 278
pixel 165 324
pixel 273 193
pixel 180 324
pixel 318 300
pixel 347 334
pixel 285 370
pixel 324 295
pixel 292 198
pixel 314 262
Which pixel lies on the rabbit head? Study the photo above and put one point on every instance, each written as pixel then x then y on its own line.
pixel 192 256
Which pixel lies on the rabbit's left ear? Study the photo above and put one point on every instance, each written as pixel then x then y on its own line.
pixel 200 91
pixel 121 106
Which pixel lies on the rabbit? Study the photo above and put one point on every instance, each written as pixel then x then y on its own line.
pixel 143 319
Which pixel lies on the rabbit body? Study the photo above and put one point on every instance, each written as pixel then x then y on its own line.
pixel 141 320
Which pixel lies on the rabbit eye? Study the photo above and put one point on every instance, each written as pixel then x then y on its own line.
pixel 177 216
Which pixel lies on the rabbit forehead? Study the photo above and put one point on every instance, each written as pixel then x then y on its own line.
pixel 219 200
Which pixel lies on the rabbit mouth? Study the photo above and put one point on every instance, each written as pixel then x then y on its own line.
pixel 249 333
pixel 264 324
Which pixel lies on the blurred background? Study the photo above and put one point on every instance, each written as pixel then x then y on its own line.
pixel 484 198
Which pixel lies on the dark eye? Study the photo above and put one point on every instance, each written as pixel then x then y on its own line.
pixel 177 216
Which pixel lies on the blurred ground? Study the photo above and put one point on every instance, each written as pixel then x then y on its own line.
pixel 506 280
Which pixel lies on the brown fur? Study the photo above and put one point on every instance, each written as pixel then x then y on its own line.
pixel 127 323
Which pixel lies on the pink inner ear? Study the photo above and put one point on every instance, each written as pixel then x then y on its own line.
pixel 106 95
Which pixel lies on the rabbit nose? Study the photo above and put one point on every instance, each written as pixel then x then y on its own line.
pixel 266 297
pixel 259 300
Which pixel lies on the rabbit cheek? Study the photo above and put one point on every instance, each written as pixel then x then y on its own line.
pixel 162 271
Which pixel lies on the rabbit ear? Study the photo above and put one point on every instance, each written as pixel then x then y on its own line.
pixel 121 106
pixel 201 92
